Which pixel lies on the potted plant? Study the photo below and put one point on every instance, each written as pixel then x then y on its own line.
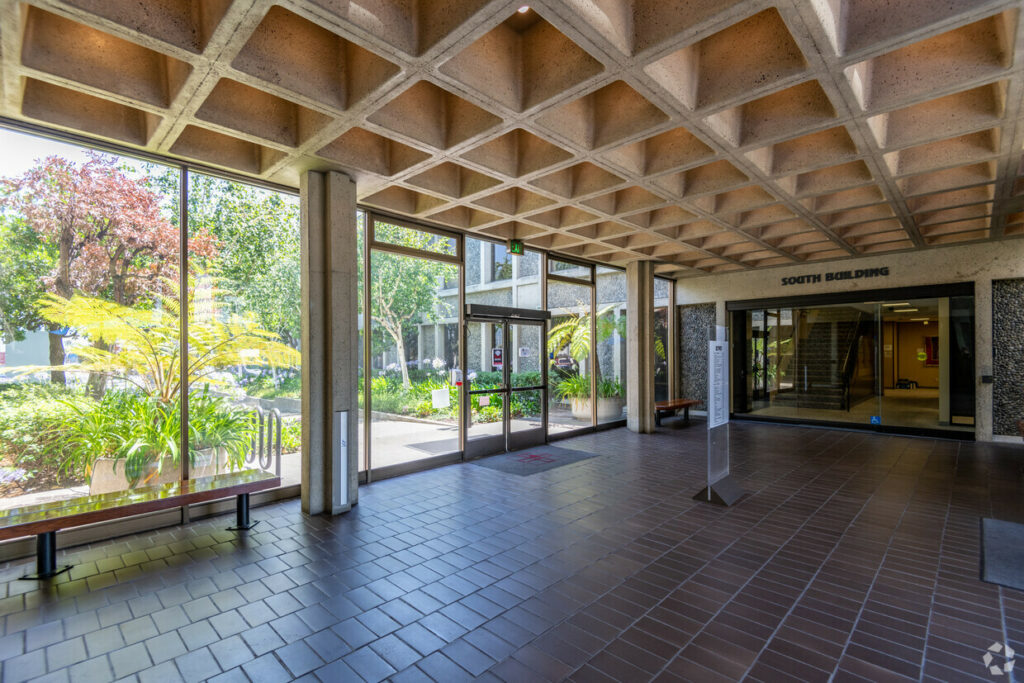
pixel 576 389
pixel 220 435
pixel 610 399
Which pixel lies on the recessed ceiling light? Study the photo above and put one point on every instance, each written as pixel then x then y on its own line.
pixel 905 303
pixel 904 310
pixel 524 9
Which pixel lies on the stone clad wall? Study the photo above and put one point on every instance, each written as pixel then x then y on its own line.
pixel 695 321
pixel 1007 355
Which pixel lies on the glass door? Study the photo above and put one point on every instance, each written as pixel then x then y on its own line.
pixel 527 399
pixel 504 385
pixel 486 387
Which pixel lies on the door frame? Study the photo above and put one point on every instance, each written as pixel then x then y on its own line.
pixel 507 440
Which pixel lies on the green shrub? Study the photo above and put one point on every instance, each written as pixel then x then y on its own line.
pixel 264 387
pixel 62 433
pixel 609 387
pixel 573 386
pixel 291 436
pixel 37 422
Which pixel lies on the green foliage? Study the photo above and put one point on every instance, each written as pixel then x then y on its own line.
pixel 573 332
pixel 291 436
pixel 403 289
pixel 265 387
pixel 573 386
pixel 62 432
pixel 25 259
pixel 33 420
pixel 578 386
pixel 214 422
pixel 609 387
pixel 258 256
pixel 141 346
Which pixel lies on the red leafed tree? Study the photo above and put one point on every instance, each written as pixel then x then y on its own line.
pixel 110 236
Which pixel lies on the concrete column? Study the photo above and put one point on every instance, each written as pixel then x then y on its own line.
pixel 984 361
pixel 640 340
pixel 330 342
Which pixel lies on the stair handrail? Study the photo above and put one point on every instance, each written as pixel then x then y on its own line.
pixel 850 360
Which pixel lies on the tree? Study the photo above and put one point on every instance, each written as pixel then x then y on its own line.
pixel 403 289
pixel 141 345
pixel 257 234
pixel 24 261
pixel 108 230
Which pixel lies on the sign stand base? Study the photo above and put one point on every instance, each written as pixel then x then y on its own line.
pixel 725 491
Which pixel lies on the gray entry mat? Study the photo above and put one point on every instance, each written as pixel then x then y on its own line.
pixel 1002 553
pixel 532 460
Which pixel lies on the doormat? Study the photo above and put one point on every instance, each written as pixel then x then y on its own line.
pixel 532 460
pixel 1002 553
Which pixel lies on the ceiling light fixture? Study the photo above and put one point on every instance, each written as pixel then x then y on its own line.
pixel 904 310
pixel 524 9
pixel 905 303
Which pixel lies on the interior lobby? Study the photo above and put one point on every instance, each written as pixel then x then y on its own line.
pixel 428 286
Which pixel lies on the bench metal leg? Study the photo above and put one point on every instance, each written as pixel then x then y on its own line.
pixel 242 520
pixel 46 558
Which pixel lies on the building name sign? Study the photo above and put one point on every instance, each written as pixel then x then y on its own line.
pixel 835 275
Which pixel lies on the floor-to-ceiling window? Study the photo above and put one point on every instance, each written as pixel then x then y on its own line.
pixel 412 296
pixel 100 273
pixel 662 347
pixel 570 352
pixel 612 350
pixel 245 324
pixel 888 361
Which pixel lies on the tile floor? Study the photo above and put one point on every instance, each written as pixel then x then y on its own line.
pixel 854 558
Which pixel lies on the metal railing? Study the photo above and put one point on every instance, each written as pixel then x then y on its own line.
pixel 266 446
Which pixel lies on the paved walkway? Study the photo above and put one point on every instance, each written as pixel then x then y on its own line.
pixel 854 557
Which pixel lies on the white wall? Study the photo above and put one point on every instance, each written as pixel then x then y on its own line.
pixel 978 263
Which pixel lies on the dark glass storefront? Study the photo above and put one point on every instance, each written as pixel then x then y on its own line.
pixel 892 360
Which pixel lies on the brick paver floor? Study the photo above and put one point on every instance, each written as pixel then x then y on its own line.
pixel 855 556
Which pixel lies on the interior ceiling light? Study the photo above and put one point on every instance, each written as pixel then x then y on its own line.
pixel 904 310
pixel 905 303
pixel 524 9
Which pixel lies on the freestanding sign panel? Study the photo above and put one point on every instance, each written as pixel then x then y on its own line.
pixel 721 488
pixel 718 383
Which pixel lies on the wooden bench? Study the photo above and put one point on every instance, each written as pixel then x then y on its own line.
pixel 45 519
pixel 663 408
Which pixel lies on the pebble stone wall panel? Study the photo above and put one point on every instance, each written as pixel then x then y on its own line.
pixel 1007 356
pixel 707 136
pixel 695 322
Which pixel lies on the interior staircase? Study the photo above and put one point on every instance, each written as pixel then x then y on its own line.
pixel 823 353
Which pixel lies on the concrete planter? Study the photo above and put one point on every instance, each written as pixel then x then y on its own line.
pixel 608 409
pixel 108 474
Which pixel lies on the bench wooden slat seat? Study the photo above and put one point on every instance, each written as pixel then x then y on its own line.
pixel 673 406
pixel 45 519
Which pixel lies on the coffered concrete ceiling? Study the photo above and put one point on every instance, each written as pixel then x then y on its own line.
pixel 707 135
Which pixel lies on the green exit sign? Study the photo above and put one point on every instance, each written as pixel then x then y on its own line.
pixel 516 247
